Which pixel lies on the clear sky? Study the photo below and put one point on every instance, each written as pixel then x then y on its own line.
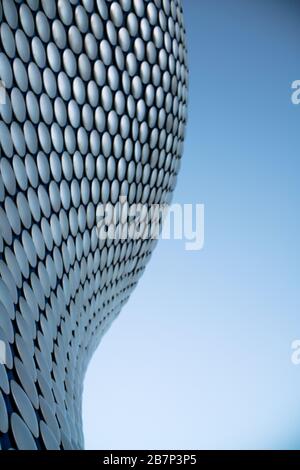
pixel 200 355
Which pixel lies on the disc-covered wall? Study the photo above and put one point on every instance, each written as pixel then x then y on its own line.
pixel 93 98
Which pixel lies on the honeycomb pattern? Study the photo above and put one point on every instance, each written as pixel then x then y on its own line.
pixel 95 107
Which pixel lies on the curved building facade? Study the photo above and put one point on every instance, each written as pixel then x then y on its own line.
pixel 93 99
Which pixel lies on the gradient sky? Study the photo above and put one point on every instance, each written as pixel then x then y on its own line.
pixel 200 355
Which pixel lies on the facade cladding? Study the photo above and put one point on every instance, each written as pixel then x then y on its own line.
pixel 93 106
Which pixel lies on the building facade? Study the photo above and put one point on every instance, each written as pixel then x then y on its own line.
pixel 93 100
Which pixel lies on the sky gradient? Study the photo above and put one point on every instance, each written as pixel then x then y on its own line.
pixel 200 357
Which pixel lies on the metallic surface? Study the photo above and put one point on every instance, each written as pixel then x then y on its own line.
pixel 95 107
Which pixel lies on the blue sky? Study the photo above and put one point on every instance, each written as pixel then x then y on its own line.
pixel 200 355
